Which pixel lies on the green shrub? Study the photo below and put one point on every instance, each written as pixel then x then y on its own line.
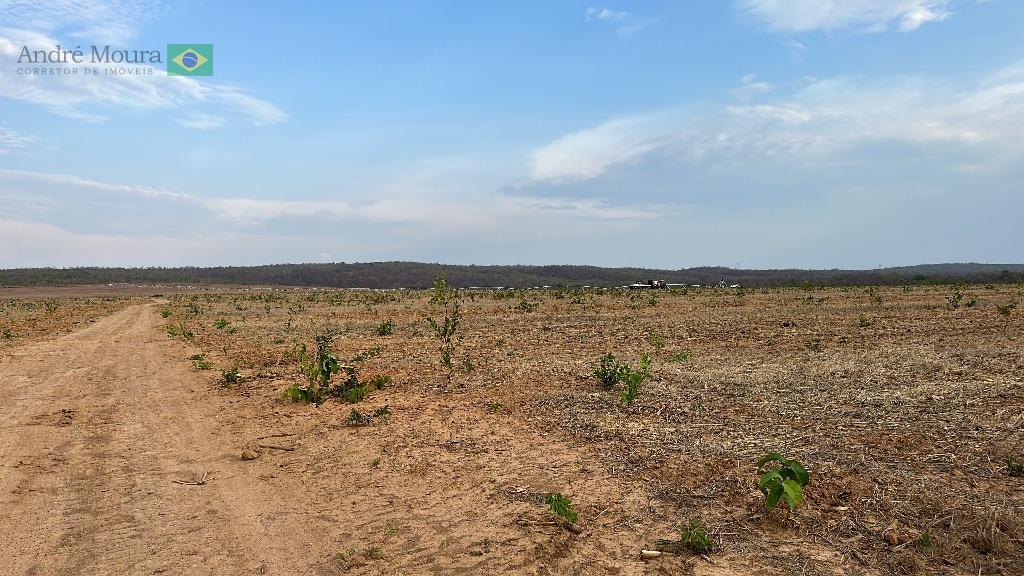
pixel 322 366
pixel 166 313
pixel 1014 466
pixel 230 376
pixel 446 328
pixel 561 506
pixel 199 362
pixel 955 296
pixel 681 356
pixel 220 324
pixel 610 372
pixel 784 482
pixel 695 537
pixel 385 328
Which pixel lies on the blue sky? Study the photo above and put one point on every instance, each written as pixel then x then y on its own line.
pixel 758 133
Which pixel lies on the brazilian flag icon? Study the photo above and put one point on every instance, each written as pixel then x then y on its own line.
pixel 190 59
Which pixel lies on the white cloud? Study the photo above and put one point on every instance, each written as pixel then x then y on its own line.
pixel 869 15
pixel 594 13
pixel 589 153
pixel 121 224
pixel 751 87
pixel 822 118
pixel 10 140
pixel 626 24
pixel 102 21
pixel 201 121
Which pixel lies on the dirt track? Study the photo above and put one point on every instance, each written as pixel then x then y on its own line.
pixel 98 425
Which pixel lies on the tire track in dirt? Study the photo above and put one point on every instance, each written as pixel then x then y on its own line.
pixel 99 425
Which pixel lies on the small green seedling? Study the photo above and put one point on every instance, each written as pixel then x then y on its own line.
pixel 681 356
pixel 608 372
pixel 385 328
pixel 230 376
pixel 695 537
pixel 925 542
pixel 220 324
pixel 1015 466
pixel 634 378
pixel 561 506
pixel 166 313
pixel 199 362
pixel 786 482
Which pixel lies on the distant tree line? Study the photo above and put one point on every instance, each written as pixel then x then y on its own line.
pixel 420 275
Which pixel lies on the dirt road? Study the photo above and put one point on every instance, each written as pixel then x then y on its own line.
pixel 102 430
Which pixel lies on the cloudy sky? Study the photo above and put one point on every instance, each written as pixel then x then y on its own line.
pixel 758 133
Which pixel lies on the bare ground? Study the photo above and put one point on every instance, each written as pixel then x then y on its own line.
pixel 108 437
pixel 902 409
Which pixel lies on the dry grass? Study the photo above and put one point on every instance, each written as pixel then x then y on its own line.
pixel 28 319
pixel 902 409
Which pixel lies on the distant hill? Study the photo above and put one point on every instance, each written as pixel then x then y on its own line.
pixel 419 275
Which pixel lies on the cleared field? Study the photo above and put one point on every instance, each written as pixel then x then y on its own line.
pixel 903 407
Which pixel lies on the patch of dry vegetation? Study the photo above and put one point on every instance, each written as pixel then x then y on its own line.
pixel 29 319
pixel 903 407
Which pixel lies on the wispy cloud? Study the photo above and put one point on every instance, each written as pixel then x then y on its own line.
pixel 750 87
pixel 91 20
pixel 201 121
pixel 868 15
pixel 626 24
pixel 10 140
pixel 819 119
pixel 594 13
pixel 590 152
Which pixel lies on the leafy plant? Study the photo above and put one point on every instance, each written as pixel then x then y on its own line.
pixel 1014 466
pixel 467 365
pixel 446 328
pixel 527 305
pixel 633 379
pixel 955 296
pixel 681 356
pixel 561 506
pixel 657 341
pixel 166 313
pixel 220 324
pixel 199 362
pixel 925 542
pixel 783 482
pixel 609 371
pixel 230 376
pixel 495 407
pixel 385 328
pixel 320 368
pixel 694 536
pixel 863 322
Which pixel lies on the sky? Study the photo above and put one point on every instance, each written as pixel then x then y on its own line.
pixel 669 134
